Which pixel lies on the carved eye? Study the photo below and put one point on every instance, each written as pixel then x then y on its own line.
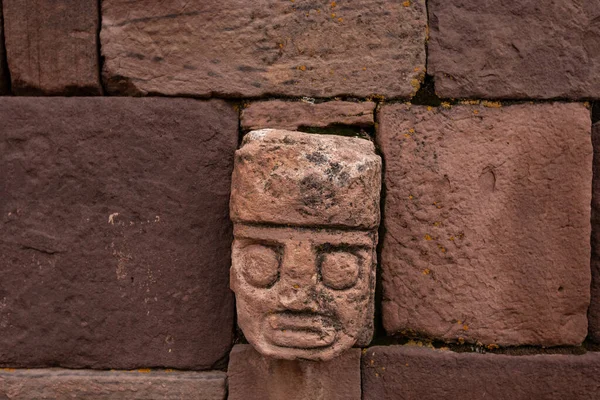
pixel 339 270
pixel 260 265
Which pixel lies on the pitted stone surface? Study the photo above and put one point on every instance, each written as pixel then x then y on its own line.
pixel 52 46
pixel 111 385
pixel 402 373
pixel 254 377
pixel 487 217
pixel 264 47
pixel 293 115
pixel 594 310
pixel 115 243
pixel 306 210
pixel 515 49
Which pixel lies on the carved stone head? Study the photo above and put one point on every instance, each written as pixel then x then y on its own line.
pixel 305 209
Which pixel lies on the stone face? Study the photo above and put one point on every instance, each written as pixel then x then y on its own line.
pixel 515 49
pixel 594 310
pixel 254 377
pixel 398 372
pixel 115 245
pixel 487 217
pixel 305 209
pixel 52 46
pixel 294 115
pixel 109 385
pixel 265 47
pixel 4 86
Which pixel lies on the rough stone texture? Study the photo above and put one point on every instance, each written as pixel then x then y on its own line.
pixel 515 48
pixel 398 373
pixel 254 377
pixel 253 48
pixel 52 46
pixel 594 310
pixel 4 86
pixel 487 217
pixel 303 288
pixel 294 178
pixel 109 385
pixel 115 239
pixel 294 115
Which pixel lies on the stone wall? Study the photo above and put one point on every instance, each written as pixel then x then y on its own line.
pixel 119 123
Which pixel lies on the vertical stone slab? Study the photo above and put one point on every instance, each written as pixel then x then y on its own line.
pixel 52 46
pixel 402 373
pixel 254 377
pixel 115 237
pixel 264 47
pixel 4 86
pixel 594 311
pixel 515 49
pixel 487 217
pixel 111 385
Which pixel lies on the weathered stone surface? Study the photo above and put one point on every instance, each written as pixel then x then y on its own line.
pixel 304 288
pixel 294 115
pixel 397 372
pixel 294 178
pixel 52 46
pixel 254 377
pixel 515 49
pixel 487 217
pixel 594 310
pixel 115 244
pixel 109 385
pixel 252 48
pixel 4 86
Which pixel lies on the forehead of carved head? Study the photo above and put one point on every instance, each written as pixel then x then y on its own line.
pixel 305 209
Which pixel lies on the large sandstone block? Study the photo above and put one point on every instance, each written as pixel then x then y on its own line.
pixel 52 46
pixel 515 48
pixel 254 48
pixel 305 209
pixel 111 385
pixel 398 373
pixel 295 115
pixel 487 218
pixel 254 377
pixel 594 310
pixel 115 243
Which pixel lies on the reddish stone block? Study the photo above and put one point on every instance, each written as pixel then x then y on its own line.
pixel 52 46
pixel 487 217
pixel 264 47
pixel 111 385
pixel 594 310
pixel 115 245
pixel 294 115
pixel 254 377
pixel 398 373
pixel 515 49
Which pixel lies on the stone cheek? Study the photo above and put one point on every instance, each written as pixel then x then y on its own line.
pixel 304 291
pixel 487 217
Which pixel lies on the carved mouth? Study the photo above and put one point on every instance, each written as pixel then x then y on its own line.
pixel 300 330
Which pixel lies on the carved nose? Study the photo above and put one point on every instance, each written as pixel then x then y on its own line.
pixel 296 299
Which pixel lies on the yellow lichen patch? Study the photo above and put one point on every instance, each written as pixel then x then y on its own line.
pixel 296 287
pixel 586 105
pixel 376 375
pixel 8 369
pixel 475 112
pixel 492 346
pixel 406 135
pixel 427 237
pixel 302 67
pixel 446 105
pixel 429 108
pixel 437 223
pixel 169 370
pixel 451 238
pixel 333 4
pixel 465 327
pixel 419 343
pixel 406 3
pixel 340 19
pixel 332 15
pixel 442 248
pixel 410 197
pixel 411 130
pixel 469 102
pixel 416 84
pixel 364 351
pixel 144 370
pixel 372 362
pixel 491 104
pixel 426 271
pixel 459 321
pixel 461 340
pixel 364 68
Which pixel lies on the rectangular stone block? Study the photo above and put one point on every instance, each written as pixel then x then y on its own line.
pixel 254 377
pixel 111 385
pixel 398 373
pixel 293 115
pixel 515 49
pixel 594 310
pixel 115 244
pixel 487 217
pixel 52 46
pixel 266 47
